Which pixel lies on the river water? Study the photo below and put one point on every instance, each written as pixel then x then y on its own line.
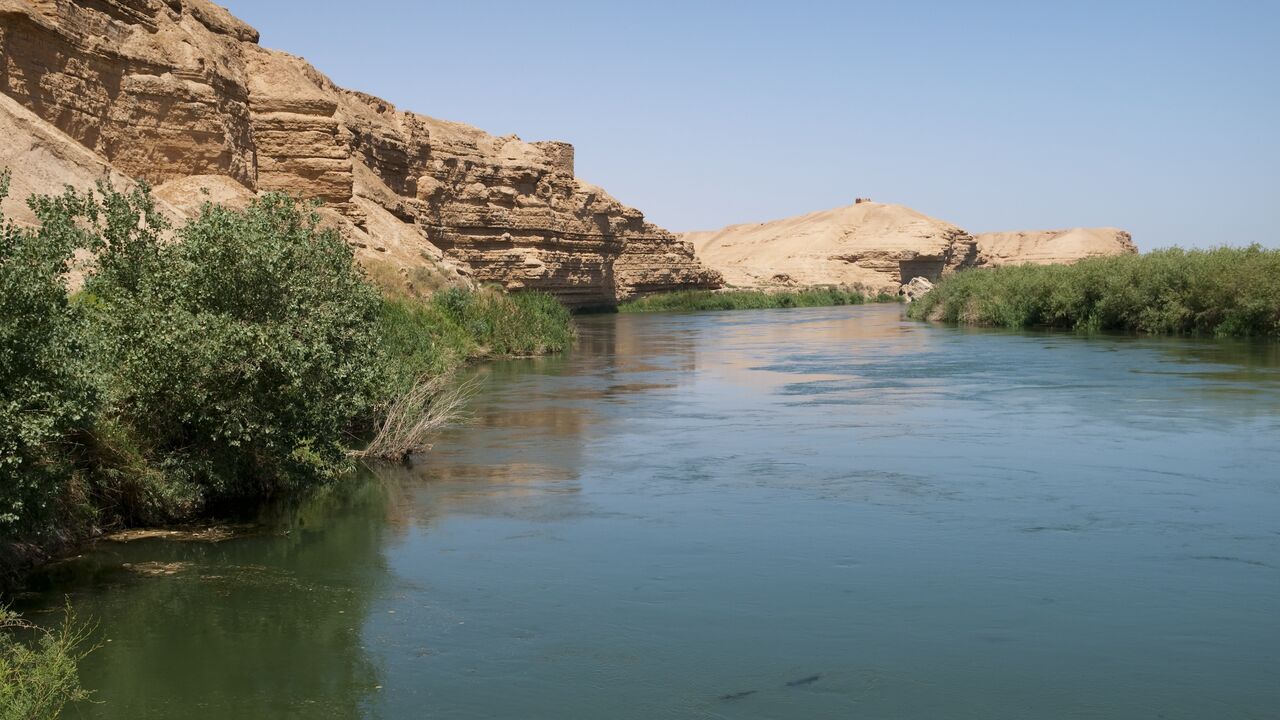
pixel 824 513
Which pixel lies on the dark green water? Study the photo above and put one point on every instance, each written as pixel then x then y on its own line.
pixel 828 513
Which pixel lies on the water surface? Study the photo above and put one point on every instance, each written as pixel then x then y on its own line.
pixel 826 513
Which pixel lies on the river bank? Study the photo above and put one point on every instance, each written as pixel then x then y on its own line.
pixel 934 521
pixel 168 380
pixel 1225 292
pixel 704 300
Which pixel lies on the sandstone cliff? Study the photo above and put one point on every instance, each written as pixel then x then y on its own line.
pixel 179 93
pixel 874 245
pixel 45 159
pixel 1045 247
pixel 881 247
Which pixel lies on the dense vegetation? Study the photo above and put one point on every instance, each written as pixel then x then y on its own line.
pixel 433 335
pixel 230 364
pixel 1224 292
pixel 241 356
pixel 243 359
pixel 694 300
pixel 46 389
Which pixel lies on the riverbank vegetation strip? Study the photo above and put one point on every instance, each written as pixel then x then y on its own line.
pixel 701 300
pixel 241 356
pixel 1226 292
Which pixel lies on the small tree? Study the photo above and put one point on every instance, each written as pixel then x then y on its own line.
pixel 239 353
pixel 46 391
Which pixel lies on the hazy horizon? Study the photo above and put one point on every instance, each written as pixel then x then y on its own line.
pixel 1158 118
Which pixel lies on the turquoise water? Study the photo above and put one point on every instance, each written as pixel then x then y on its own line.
pixel 826 513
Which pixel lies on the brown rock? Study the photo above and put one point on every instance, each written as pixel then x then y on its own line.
pixel 875 245
pixel 45 160
pixel 171 90
pixel 883 248
pixel 1046 247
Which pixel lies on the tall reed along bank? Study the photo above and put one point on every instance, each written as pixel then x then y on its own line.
pixel 702 300
pixel 1225 292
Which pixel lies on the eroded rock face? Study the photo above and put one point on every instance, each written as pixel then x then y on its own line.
pixel 917 288
pixel 1047 247
pixel 46 160
pixel 874 245
pixel 884 248
pixel 158 88
pixel 167 90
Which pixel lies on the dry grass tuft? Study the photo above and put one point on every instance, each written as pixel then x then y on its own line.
pixel 431 403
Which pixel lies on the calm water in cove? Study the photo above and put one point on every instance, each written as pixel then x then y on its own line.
pixel 829 513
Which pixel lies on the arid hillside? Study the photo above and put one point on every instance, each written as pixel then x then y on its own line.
pixel 880 247
pixel 180 94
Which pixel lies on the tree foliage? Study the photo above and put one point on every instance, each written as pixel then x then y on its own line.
pixel 239 356
pixel 46 388
pixel 242 352
pixel 226 360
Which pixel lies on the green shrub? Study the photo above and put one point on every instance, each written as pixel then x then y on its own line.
pixel 38 677
pixel 1224 291
pixel 699 300
pixel 436 335
pixel 236 358
pixel 509 325
pixel 419 339
pixel 46 389
pixel 240 354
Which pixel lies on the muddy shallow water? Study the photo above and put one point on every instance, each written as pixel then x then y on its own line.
pixel 825 513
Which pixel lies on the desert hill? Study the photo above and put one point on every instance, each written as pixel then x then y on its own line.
pixel 871 244
pixel 1042 247
pixel 881 246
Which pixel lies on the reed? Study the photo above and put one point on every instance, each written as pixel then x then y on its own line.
pixel 1228 292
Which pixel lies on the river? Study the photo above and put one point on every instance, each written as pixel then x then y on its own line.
pixel 821 513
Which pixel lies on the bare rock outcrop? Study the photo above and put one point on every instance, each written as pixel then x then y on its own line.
pixel 915 289
pixel 874 245
pixel 883 247
pixel 1050 247
pixel 178 92
pixel 47 160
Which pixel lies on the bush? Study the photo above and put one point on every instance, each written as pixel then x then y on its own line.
pixel 507 325
pixel 38 678
pixel 240 354
pixel 1224 291
pixel 433 336
pixel 237 358
pixel 420 339
pixel 46 390
pixel 698 300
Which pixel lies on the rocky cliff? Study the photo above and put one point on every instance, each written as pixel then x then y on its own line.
pixel 1046 247
pixel 881 247
pixel 179 93
pixel 875 245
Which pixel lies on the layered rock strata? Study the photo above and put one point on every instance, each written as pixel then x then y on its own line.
pixel 170 90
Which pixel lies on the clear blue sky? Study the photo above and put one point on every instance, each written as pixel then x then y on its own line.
pixel 1159 117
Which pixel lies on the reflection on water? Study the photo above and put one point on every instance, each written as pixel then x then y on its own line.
pixel 804 513
pixel 264 625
